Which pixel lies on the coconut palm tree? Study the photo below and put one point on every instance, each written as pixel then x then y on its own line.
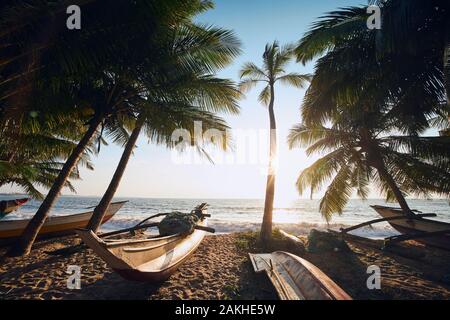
pixel 360 151
pixel 38 46
pixel 375 96
pixel 405 57
pixel 94 71
pixel 181 98
pixel 101 94
pixel 402 90
pixel 275 60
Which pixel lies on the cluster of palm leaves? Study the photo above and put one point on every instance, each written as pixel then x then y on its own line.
pixel 33 160
pixel 373 96
pixel 135 66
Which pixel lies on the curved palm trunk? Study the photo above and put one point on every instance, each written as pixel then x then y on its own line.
pixel 382 171
pixel 100 210
pixel 266 228
pixel 25 242
pixel 378 163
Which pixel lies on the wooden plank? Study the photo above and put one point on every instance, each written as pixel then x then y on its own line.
pixel 277 274
pixel 369 223
pixel 259 262
pixel 417 236
pixel 407 252
pixel 119 232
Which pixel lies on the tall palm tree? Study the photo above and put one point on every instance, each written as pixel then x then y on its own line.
pixel 181 98
pixel 360 152
pixel 106 107
pixel 404 90
pixel 275 60
pixel 92 68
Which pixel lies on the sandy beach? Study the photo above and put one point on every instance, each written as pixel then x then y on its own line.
pixel 185 143
pixel 220 269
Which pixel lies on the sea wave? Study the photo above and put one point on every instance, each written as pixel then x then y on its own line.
pixel 226 227
pixel 236 215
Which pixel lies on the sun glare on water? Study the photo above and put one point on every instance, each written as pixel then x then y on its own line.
pixel 281 206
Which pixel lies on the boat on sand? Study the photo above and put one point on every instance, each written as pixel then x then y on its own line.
pixel 416 227
pixel 153 259
pixel 56 225
pixel 295 278
pixel 9 206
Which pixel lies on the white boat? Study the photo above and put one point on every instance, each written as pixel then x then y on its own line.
pixel 417 226
pixel 153 260
pixel 56 225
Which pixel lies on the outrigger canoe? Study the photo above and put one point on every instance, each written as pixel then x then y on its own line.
pixel 295 278
pixel 427 231
pixel 149 260
pixel 9 206
pixel 56 225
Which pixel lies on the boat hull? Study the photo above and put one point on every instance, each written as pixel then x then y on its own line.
pixel 295 278
pixel 9 206
pixel 155 277
pixel 55 226
pixel 148 260
pixel 417 226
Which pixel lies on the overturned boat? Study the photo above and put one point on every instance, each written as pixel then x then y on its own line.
pixel 295 278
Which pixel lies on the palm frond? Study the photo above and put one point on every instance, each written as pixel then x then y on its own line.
pixel 338 193
pixel 252 71
pixel 314 177
pixel 296 80
pixel 247 85
pixel 331 30
pixel 264 96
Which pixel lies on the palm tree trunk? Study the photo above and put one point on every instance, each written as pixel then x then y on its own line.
pixel 25 242
pixel 266 228
pixel 378 163
pixel 384 174
pixel 100 210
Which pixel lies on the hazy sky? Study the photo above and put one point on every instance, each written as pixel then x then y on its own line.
pixel 152 171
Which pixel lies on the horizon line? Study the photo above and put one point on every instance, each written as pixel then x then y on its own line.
pixel 206 198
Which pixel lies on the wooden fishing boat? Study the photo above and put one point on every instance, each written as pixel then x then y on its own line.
pixel 295 278
pixel 57 225
pixel 154 259
pixel 427 231
pixel 9 206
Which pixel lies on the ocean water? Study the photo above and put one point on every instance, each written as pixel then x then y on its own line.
pixel 241 214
